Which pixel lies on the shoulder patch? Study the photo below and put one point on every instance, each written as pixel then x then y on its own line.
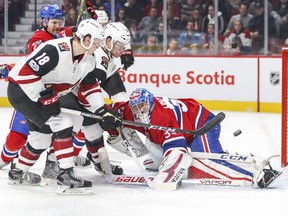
pixel 35 44
pixel 105 62
pixel 63 47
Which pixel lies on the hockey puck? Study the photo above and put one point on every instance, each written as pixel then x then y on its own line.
pixel 237 133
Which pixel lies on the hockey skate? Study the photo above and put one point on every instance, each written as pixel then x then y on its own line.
pixel 81 161
pixel 70 183
pixel 51 169
pixel 115 169
pixel 266 174
pixel 17 176
pixel 2 163
pixel 269 177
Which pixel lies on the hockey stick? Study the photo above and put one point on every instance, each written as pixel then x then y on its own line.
pixel 140 180
pixel 200 131
pixel 81 11
pixel 134 156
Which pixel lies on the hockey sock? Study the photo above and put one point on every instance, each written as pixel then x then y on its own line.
pixel 78 142
pixel 28 156
pixel 51 154
pixel 64 152
pixel 14 142
pixel 93 148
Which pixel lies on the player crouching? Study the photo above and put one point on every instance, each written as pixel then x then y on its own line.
pixel 174 155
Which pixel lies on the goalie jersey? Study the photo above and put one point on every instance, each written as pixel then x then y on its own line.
pixel 186 114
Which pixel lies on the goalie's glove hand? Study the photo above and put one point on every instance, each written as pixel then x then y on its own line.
pixel 127 58
pixel 4 70
pixel 110 118
pixel 50 103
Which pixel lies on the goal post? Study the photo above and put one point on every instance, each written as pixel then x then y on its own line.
pixel 284 129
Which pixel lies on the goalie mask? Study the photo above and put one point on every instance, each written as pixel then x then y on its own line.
pixel 141 102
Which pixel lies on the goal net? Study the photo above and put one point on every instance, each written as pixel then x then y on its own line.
pixel 284 152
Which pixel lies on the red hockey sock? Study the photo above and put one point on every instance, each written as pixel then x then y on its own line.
pixel 63 148
pixel 78 142
pixel 14 142
pixel 26 159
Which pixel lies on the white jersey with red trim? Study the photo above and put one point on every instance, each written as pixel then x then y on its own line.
pixel 52 64
pixel 105 62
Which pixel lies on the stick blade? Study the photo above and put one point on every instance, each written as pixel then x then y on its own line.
pixel 167 186
pixel 212 123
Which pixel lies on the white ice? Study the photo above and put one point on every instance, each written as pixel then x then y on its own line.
pixel 261 135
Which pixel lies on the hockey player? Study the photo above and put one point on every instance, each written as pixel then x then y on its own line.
pixel 116 41
pixel 169 152
pixel 52 21
pixel 35 84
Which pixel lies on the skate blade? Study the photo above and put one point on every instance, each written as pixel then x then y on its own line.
pixel 66 190
pixel 24 183
pixel 83 167
pixel 47 181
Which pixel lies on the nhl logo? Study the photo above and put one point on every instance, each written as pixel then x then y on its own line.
pixel 275 77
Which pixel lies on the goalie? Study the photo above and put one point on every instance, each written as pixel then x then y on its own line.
pixel 175 154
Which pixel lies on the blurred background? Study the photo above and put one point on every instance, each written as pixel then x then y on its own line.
pixel 167 27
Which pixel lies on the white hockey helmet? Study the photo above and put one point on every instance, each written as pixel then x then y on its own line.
pixel 102 17
pixel 118 32
pixel 91 27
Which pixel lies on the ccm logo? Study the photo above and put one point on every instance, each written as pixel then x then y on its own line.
pixel 234 157
pixel 50 101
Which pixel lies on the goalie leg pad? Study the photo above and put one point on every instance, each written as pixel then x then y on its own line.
pixel 153 160
pixel 134 140
pixel 172 169
pixel 249 169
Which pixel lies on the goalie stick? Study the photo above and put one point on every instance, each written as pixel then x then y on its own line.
pixel 134 156
pixel 200 131
pixel 141 180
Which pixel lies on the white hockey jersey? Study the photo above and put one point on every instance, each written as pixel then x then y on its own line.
pixel 106 62
pixel 52 64
pixel 110 65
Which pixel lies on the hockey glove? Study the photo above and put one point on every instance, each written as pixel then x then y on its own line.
pixel 127 58
pixel 90 10
pixel 4 70
pixel 110 118
pixel 50 103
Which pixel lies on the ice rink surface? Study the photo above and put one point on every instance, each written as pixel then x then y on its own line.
pixel 260 136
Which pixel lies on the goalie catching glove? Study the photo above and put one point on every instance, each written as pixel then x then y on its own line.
pixel 50 103
pixel 110 119
pixel 127 58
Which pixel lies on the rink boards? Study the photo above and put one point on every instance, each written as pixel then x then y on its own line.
pixel 220 83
